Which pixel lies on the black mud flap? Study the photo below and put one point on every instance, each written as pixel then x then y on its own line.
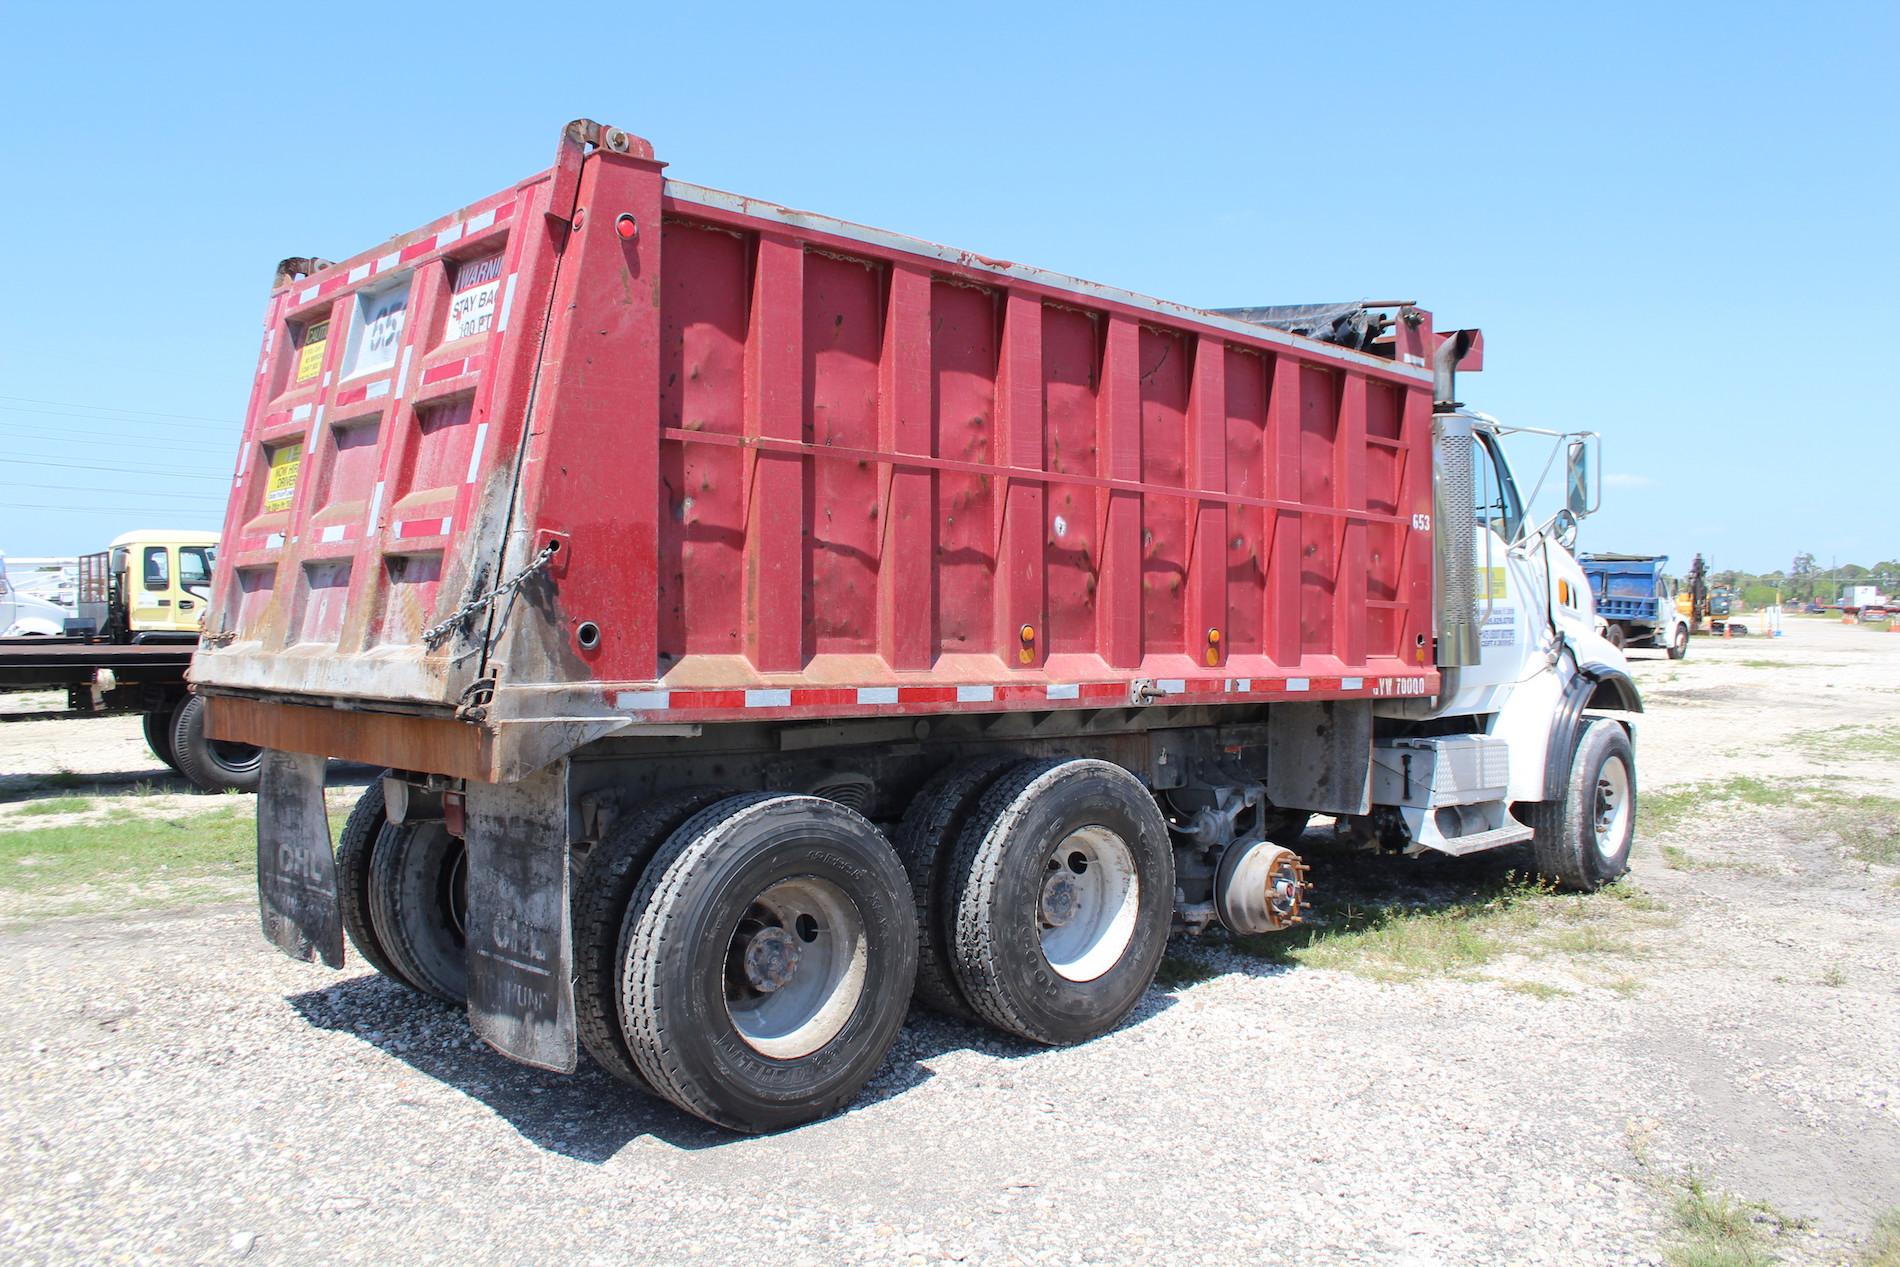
pixel 520 950
pixel 296 870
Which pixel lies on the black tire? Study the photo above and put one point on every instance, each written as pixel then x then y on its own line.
pixel 1005 862
pixel 418 903
pixel 925 842
pixel 1566 840
pixel 1679 643
pixel 1616 636
pixel 602 889
pixel 158 736
pixel 215 765
pixel 354 849
pixel 699 895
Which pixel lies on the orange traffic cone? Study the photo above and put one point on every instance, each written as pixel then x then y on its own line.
pixel 1728 630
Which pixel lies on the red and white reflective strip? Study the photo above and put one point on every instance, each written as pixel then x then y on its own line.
pixel 421 527
pixel 368 391
pixel 414 251
pixel 972 696
pixel 451 369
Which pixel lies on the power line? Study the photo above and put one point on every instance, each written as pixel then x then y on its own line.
pixel 150 413
pixel 113 492
pixel 120 470
pixel 161 442
pixel 95 513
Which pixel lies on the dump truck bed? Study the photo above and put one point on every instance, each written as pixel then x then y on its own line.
pixel 609 451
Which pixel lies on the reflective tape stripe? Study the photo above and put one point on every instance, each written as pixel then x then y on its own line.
pixel 975 694
pixel 507 303
pixel 1298 684
pixel 1067 690
pixel 648 701
pixel 877 695
pixel 768 699
pixel 475 454
pixel 1352 684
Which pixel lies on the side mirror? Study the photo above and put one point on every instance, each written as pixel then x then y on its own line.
pixel 1563 526
pixel 1582 496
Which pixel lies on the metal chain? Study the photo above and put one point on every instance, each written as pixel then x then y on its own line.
pixel 437 632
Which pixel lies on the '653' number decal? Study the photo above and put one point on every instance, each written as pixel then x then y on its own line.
pixel 1421 523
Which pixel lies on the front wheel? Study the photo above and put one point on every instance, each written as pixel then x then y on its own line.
pixel 1679 645
pixel 1583 841
pixel 1617 637
pixel 215 765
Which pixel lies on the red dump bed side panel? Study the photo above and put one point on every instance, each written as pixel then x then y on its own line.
pixel 801 468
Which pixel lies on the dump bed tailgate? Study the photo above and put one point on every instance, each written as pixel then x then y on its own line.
pixel 378 456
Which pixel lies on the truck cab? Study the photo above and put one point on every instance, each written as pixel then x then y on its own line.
pixel 26 616
pixel 150 585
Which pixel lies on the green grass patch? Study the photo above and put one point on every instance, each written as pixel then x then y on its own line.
pixel 1883 1247
pixel 1400 940
pixel 55 805
pixel 1716 1229
pixel 128 852
pixel 1672 808
pixel 1538 989
pixel 1864 743
pixel 1868 826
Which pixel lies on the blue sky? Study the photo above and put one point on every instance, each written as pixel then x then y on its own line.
pixel 1675 224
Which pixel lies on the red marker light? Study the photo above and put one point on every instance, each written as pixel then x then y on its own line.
pixel 626 226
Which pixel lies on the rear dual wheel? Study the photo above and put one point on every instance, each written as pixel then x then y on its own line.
pixel 1061 898
pixel 765 961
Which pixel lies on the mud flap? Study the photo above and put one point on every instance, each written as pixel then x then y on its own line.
pixel 520 950
pixel 296 870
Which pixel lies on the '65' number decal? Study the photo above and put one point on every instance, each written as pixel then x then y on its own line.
pixel 1421 523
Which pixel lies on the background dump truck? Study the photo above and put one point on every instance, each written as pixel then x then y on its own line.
pixel 762 616
pixel 125 646
pixel 1638 601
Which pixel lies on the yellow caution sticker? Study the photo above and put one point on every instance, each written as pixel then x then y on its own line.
pixel 310 358
pixel 1492 584
pixel 283 476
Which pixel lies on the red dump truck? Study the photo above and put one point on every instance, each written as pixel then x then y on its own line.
pixel 762 617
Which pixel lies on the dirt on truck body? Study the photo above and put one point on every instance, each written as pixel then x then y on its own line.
pixel 762 616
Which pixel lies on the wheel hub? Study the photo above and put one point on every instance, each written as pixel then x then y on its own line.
pixel 771 959
pixel 1061 899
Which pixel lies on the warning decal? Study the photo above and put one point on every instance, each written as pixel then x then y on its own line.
pixel 283 476
pixel 310 360
pixel 472 310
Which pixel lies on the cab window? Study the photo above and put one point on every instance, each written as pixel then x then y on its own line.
pixel 1495 491
pixel 157 568
pixel 194 565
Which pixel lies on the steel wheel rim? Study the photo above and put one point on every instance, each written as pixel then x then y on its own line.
pixel 1090 899
pixel 1610 808
pixel 795 967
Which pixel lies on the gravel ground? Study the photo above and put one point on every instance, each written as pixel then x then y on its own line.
pixel 172 1090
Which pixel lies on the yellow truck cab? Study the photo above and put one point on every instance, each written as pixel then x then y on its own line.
pixel 166 579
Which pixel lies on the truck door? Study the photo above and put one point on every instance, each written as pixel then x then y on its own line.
pixel 193 584
pixel 150 602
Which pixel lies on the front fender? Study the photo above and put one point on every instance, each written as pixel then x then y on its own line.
pixel 1598 686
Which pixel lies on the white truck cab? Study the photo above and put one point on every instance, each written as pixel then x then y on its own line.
pixel 27 616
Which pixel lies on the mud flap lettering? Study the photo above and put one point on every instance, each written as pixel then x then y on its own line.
pixel 296 871
pixel 520 954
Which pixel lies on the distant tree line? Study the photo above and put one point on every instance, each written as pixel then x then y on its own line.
pixel 1806 581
